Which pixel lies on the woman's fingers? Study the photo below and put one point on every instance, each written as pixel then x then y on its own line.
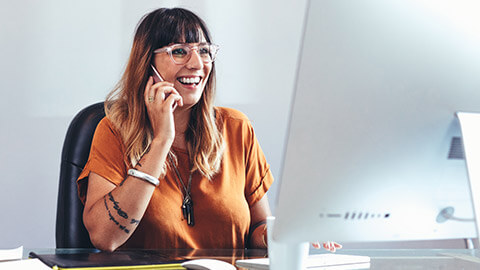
pixel 161 93
pixel 170 96
pixel 174 100
pixel 330 246
pixel 316 245
pixel 147 93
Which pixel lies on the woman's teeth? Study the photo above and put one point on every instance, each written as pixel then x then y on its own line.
pixel 185 80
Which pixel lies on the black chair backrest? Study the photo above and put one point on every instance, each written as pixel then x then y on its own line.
pixel 70 231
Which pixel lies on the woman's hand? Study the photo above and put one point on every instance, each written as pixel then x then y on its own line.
pixel 330 246
pixel 161 100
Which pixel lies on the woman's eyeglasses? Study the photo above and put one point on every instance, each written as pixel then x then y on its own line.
pixel 182 52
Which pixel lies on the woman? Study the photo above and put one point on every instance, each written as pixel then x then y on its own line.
pixel 166 168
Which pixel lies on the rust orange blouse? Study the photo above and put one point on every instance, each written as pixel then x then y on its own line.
pixel 221 206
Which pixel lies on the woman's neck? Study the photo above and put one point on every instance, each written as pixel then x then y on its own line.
pixel 181 119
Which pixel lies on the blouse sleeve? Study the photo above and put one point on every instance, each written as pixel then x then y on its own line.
pixel 106 158
pixel 259 178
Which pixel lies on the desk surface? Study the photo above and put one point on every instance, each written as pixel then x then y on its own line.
pixel 407 259
pixel 380 258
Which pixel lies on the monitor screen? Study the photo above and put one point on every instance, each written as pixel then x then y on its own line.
pixel 374 150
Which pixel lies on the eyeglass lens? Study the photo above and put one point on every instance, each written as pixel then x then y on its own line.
pixel 182 53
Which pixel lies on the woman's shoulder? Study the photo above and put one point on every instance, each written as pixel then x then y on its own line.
pixel 106 128
pixel 105 123
pixel 231 114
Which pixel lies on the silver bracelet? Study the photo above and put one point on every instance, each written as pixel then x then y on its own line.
pixel 146 177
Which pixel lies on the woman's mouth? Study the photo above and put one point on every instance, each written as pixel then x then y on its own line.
pixel 194 80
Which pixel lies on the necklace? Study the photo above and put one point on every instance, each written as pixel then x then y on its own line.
pixel 187 204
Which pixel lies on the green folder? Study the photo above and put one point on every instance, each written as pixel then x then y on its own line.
pixel 120 259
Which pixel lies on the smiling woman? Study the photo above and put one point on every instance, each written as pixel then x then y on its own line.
pixel 167 169
pixel 175 63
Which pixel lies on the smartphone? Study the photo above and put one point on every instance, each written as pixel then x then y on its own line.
pixel 156 76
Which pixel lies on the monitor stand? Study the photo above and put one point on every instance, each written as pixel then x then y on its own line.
pixel 295 256
pixel 470 128
pixel 285 256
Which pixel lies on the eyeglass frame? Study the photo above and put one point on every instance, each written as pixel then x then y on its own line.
pixel 168 49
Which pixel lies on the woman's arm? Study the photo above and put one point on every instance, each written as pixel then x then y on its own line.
pixel 258 214
pixel 112 212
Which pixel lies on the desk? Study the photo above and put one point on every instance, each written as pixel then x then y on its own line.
pixel 416 259
pixel 404 259
pixel 228 255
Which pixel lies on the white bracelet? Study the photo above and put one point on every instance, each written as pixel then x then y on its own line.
pixel 146 177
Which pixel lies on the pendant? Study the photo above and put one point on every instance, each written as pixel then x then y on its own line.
pixel 187 210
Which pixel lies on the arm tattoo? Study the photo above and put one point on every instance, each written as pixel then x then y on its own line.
pixel 134 221
pixel 123 228
pixel 120 212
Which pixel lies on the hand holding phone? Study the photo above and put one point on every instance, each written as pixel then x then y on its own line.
pixel 157 78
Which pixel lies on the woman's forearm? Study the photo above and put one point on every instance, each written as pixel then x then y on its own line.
pixel 114 217
pixel 112 213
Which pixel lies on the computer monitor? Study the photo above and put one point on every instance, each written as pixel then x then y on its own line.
pixel 374 150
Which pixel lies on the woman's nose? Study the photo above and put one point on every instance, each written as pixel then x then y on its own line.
pixel 195 61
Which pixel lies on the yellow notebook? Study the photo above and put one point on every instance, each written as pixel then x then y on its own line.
pixel 118 260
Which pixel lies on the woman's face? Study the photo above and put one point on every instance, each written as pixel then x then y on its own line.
pixel 189 79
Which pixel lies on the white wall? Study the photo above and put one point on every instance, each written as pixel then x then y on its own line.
pixel 57 56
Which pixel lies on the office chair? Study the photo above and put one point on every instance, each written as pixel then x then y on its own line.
pixel 70 231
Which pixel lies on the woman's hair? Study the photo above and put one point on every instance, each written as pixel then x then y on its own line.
pixel 125 105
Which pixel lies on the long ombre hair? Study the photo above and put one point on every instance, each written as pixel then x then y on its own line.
pixel 125 105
